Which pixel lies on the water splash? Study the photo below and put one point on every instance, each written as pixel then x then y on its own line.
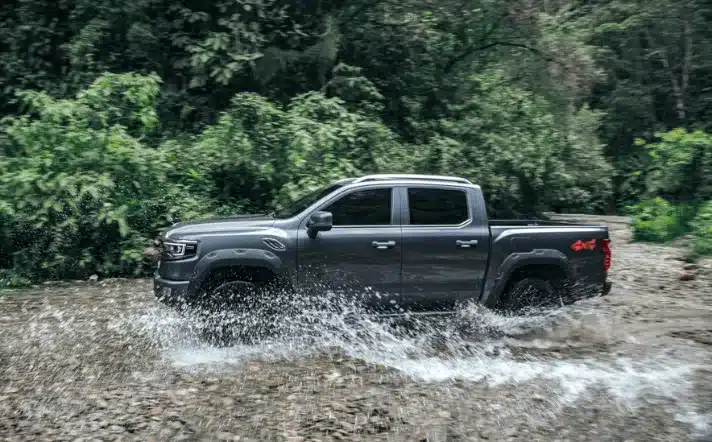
pixel 476 345
pixel 537 353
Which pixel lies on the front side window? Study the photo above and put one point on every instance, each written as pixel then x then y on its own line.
pixel 441 207
pixel 370 207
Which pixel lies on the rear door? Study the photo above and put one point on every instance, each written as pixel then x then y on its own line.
pixel 445 248
pixel 361 255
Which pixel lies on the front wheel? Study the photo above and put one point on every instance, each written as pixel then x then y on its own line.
pixel 235 310
pixel 231 296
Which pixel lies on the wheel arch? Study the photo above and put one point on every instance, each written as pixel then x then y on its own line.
pixel 550 264
pixel 251 265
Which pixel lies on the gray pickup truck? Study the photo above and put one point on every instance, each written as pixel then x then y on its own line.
pixel 415 243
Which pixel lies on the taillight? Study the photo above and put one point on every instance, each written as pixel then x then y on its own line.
pixel 606 249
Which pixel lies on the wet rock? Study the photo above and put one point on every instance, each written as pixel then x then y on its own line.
pixel 511 432
pixel 152 254
pixel 338 406
pixel 687 276
pixel 347 426
pixel 338 435
pixel 690 266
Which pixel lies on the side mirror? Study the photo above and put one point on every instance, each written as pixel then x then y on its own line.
pixel 319 222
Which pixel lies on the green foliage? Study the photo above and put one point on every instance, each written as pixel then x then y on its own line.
pixel 656 220
pixel 681 165
pixel 702 232
pixel 548 105
pixel 260 154
pixel 9 279
pixel 678 169
pixel 80 192
pixel 657 59
pixel 508 141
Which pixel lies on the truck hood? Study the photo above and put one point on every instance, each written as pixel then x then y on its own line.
pixel 239 223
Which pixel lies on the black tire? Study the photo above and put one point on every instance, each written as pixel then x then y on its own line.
pixel 233 311
pixel 230 295
pixel 530 293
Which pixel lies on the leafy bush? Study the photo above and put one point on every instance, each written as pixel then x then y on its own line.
pixel 657 220
pixel 260 154
pixel 679 170
pixel 702 231
pixel 10 279
pixel 80 191
pixel 85 184
pixel 510 143
pixel 680 165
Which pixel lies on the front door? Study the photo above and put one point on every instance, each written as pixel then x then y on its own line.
pixel 444 249
pixel 360 257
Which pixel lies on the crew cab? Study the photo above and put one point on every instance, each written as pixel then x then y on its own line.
pixel 407 243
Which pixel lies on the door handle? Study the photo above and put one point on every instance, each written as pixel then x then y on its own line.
pixel 466 244
pixel 383 245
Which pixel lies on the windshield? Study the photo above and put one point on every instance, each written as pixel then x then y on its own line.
pixel 299 205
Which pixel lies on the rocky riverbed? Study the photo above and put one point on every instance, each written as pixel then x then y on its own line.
pixel 103 361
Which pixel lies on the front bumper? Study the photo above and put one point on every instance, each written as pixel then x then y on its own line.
pixel 173 293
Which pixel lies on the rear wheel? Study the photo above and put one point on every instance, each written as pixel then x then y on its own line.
pixel 530 293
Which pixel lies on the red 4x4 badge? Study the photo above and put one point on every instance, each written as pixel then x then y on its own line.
pixel 584 245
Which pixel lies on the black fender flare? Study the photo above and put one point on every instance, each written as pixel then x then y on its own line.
pixel 235 257
pixel 495 285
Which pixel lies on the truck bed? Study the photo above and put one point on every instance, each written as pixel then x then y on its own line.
pixel 576 247
pixel 537 222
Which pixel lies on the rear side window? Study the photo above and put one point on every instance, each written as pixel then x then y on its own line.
pixel 371 207
pixel 442 207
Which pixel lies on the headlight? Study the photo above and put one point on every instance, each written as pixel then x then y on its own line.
pixel 179 249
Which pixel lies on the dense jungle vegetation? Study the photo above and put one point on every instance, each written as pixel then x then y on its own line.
pixel 121 117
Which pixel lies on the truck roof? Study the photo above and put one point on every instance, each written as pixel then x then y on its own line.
pixel 408 177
